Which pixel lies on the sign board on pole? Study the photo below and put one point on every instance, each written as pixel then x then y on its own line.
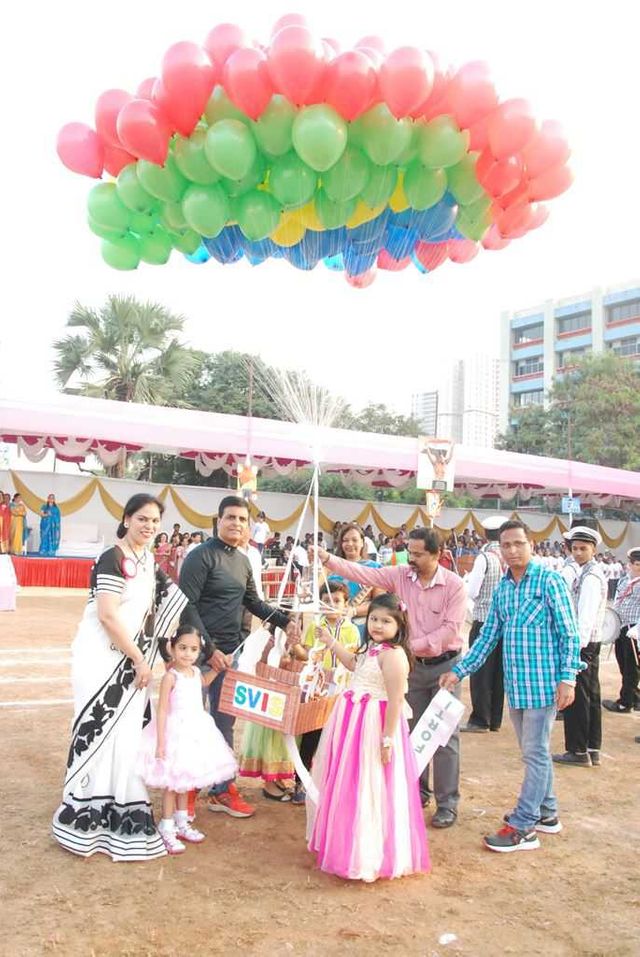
pixel 435 470
pixel 435 727
pixel 570 505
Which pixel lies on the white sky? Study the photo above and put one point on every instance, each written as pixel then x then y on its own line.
pixel 575 62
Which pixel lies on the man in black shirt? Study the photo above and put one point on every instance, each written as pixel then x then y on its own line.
pixel 217 580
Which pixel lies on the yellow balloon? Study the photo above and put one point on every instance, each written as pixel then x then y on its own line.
pixel 399 201
pixel 309 217
pixel 289 231
pixel 364 214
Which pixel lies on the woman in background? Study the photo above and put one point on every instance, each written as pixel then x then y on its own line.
pixel 49 527
pixel 19 529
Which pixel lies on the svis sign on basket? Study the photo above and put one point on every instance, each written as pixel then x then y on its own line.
pixel 257 701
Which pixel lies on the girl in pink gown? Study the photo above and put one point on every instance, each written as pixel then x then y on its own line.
pixel 162 552
pixel 182 748
pixel 368 822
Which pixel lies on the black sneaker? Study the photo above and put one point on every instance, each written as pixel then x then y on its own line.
pixel 595 758
pixel 616 706
pixel 546 825
pixel 474 728
pixel 508 839
pixel 571 757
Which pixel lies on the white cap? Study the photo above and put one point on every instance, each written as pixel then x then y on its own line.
pixel 580 533
pixel 634 553
pixel 493 522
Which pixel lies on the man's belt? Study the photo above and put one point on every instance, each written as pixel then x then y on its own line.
pixel 447 656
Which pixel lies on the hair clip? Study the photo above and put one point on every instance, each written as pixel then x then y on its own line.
pixel 402 606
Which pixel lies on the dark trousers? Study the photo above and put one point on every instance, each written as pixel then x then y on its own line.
pixel 308 747
pixel 583 719
pixel 487 686
pixel 224 721
pixel 628 664
pixel 423 687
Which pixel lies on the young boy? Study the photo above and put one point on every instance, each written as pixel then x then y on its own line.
pixel 336 594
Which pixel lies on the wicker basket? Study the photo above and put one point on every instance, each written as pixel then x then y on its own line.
pixel 288 676
pixel 272 703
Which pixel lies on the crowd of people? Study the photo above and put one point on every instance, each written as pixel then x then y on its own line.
pixel 15 531
pixel 391 635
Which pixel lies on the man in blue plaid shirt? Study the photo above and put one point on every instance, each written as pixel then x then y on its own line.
pixel 532 612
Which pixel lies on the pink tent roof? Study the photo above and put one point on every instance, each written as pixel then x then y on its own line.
pixel 77 427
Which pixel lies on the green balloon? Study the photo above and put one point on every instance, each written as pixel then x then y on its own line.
pixel 106 209
pixel 291 181
pixel 186 241
pixel 206 209
pixel 319 136
pixel 105 232
pixel 441 143
pixel 274 127
pixel 462 180
pixel 381 185
pixel 132 194
pixel 384 138
pixel 230 148
pixel 333 215
pixel 410 152
pixel 143 223
pixel 121 253
pixel 424 187
pixel 172 216
pixel 258 214
pixel 190 158
pixel 220 107
pixel 348 177
pixel 164 182
pixel 474 220
pixel 155 248
pixel 255 176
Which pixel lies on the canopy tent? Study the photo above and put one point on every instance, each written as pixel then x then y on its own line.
pixel 77 428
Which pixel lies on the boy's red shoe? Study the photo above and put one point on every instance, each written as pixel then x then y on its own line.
pixel 231 802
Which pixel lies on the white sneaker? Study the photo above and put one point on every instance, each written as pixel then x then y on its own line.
pixel 170 840
pixel 189 834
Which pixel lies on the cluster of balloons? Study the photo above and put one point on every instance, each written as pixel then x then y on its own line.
pixel 298 150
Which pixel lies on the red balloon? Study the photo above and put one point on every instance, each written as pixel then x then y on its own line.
pixel 463 250
pixel 514 222
pixel 551 183
pixel 143 131
pixel 371 42
pixel 498 177
pixel 471 94
pixel 511 127
pixel 81 149
pixel 479 135
pixel 108 106
pixel 386 261
pixel 351 83
pixel 363 280
pixel 115 159
pixel 289 20
pixel 517 197
pixel 493 240
pixel 223 40
pixel 548 148
pixel 188 78
pixel 432 255
pixel 296 64
pixel 247 81
pixel 145 89
pixel 437 103
pixel 406 79
pixel 539 216
pixel 333 45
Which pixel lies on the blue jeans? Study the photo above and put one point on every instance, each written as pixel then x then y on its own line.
pixel 533 729
pixel 225 724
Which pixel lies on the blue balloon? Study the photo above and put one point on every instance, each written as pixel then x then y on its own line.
pixel 367 233
pixel 199 256
pixel 400 242
pixel 335 263
pixel 355 263
pixel 416 262
pixel 227 246
pixel 434 222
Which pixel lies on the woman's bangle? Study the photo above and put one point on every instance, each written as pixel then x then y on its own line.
pixel 387 742
pixel 333 644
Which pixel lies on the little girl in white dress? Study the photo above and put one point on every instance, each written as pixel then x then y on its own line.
pixel 182 748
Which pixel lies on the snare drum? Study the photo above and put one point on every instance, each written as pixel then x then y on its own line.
pixel 610 626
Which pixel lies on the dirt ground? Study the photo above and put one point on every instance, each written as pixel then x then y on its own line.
pixel 252 888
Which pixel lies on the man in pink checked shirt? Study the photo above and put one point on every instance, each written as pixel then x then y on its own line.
pixel 436 605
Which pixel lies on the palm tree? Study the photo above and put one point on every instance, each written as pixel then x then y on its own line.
pixel 128 352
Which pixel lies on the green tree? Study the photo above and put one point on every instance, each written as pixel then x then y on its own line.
pixel 376 417
pixel 593 416
pixel 128 351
